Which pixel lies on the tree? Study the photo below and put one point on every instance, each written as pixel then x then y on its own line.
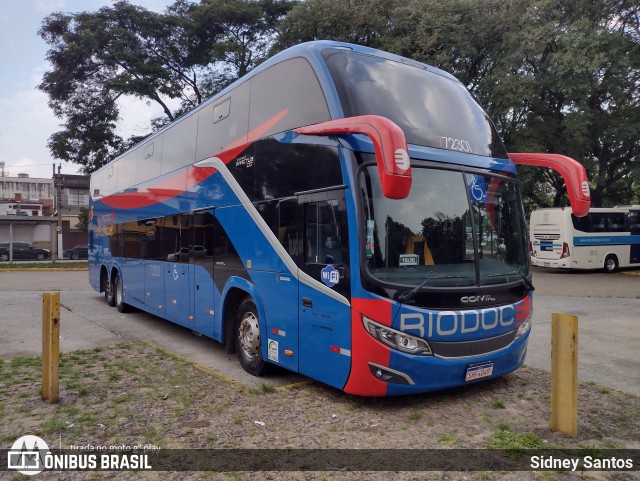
pixel 555 77
pixel 83 219
pixel 186 53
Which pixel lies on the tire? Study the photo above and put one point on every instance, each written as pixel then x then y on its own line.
pixel 117 293
pixel 40 256
pixel 610 264
pixel 4 257
pixel 248 338
pixel 74 257
pixel 109 296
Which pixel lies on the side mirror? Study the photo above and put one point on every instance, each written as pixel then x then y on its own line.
pixel 389 145
pixel 572 171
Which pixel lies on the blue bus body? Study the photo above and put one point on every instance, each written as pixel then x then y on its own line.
pixel 279 243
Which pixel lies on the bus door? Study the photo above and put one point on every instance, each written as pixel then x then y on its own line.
pixel 177 284
pixel 153 266
pixel 324 316
pixel 634 228
pixel 201 258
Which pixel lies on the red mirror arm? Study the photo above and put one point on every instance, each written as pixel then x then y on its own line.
pixel 572 171
pixel 389 144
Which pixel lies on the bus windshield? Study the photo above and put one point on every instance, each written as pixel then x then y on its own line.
pixel 431 109
pixel 454 229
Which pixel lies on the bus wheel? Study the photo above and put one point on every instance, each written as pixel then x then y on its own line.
pixel 611 263
pixel 248 344
pixel 117 288
pixel 109 296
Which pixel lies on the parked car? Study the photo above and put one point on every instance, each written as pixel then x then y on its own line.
pixel 22 251
pixel 76 252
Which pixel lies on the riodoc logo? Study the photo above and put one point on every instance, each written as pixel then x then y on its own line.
pixel 27 455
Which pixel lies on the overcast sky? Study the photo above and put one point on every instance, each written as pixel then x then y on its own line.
pixel 26 122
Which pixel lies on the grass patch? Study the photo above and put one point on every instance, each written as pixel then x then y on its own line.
pixel 267 388
pixel 503 439
pixel 44 265
pixel 448 439
pixel 498 404
pixel 415 416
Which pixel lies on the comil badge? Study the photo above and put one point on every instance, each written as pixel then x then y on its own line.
pixel 27 455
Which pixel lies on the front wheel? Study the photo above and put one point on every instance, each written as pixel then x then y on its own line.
pixel 611 263
pixel 39 256
pixel 248 340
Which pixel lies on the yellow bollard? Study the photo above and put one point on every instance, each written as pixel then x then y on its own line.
pixel 564 373
pixel 50 346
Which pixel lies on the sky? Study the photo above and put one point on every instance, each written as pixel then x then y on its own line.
pixel 26 121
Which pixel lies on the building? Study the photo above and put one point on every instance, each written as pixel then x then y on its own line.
pixel 29 209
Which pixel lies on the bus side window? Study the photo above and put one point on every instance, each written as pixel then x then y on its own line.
pixel 288 226
pixel 616 222
pixel 597 223
pixel 322 242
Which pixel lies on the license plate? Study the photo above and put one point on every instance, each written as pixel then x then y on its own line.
pixel 546 264
pixel 478 372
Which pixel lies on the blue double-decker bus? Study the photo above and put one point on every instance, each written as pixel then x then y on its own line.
pixel 341 212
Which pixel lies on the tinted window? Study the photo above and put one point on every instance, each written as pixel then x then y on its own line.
pixel 243 170
pixel 176 238
pixel 289 89
pixel 431 110
pixel 601 222
pixel 284 169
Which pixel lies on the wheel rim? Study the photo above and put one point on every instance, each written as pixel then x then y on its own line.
pixel 611 264
pixel 40 257
pixel 4 257
pixel 118 292
pixel 249 335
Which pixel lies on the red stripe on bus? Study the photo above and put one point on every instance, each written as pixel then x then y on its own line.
pixel 190 177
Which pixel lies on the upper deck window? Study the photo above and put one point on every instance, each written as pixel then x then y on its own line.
pixel 431 109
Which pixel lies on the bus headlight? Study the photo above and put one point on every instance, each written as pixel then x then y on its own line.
pixel 398 340
pixel 524 328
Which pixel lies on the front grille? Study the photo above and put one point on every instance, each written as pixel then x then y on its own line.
pixel 546 236
pixel 472 348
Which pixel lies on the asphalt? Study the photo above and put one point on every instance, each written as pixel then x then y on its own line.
pixel 608 307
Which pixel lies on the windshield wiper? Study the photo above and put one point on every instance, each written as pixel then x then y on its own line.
pixel 408 295
pixel 518 273
pixel 524 278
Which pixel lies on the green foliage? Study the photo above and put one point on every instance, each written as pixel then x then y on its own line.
pixel 185 53
pixel 83 219
pixel 555 77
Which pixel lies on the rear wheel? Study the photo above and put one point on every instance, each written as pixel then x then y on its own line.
pixel 109 295
pixel 74 257
pixel 117 289
pixel 248 339
pixel 611 263
pixel 4 257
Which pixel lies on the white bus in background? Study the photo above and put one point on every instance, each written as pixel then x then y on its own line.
pixel 607 238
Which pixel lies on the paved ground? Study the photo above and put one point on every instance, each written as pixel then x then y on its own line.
pixel 608 306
